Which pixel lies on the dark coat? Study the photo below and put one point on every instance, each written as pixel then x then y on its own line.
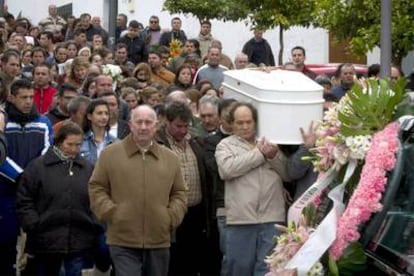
pixel 167 37
pixel 205 189
pixel 210 144
pixel 123 129
pixel 53 205
pixel 252 45
pixel 136 49
pixel 55 116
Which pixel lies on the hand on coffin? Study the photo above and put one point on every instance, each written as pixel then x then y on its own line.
pixel 309 137
pixel 268 149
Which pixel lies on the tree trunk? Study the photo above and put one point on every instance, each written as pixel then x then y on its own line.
pixel 280 56
pixel 397 60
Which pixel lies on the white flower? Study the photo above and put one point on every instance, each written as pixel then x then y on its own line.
pixel 112 70
pixel 341 154
pixel 316 270
pixel 358 146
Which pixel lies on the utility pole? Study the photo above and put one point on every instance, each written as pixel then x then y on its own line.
pixel 113 13
pixel 1 8
pixel 385 60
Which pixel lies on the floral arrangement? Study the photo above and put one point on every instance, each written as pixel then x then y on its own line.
pixel 288 243
pixel 365 199
pixel 114 71
pixel 332 147
pixel 175 48
pixel 361 130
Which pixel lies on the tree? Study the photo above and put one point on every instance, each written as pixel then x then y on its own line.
pixel 268 14
pixel 205 10
pixel 263 14
pixel 359 21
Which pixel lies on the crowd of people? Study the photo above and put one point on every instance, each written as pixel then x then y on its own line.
pixel 145 172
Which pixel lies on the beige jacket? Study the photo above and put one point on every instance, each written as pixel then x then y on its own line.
pixel 141 196
pixel 254 189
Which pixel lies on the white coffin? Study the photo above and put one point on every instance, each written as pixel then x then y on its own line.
pixel 285 101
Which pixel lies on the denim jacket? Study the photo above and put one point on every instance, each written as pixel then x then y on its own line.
pixel 89 149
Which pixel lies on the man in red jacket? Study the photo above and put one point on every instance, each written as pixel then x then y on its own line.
pixel 44 93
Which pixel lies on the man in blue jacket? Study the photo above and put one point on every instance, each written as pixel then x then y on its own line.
pixel 28 136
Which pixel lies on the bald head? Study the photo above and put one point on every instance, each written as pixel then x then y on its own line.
pixel 177 96
pixel 241 61
pixel 103 84
pixel 143 125
pixel 143 109
pixel 52 10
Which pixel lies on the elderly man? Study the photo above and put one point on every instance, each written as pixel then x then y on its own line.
pixel 213 177
pixel 212 71
pixel 96 23
pixel 241 60
pixel 53 23
pixel 253 172
pixel 137 188
pixel 208 111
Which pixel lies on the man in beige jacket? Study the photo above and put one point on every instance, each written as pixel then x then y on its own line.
pixel 138 190
pixel 253 173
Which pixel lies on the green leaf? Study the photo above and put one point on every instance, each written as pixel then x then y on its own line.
pixel 333 268
pixel 360 22
pixel 353 260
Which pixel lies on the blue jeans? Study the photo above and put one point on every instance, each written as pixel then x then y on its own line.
pixel 221 224
pixel 9 230
pixel 247 246
pixel 102 256
pixel 51 264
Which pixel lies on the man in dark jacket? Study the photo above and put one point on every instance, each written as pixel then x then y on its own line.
pixel 258 50
pixel 191 236
pixel 60 112
pixel 152 33
pixel 175 34
pixel 28 136
pixel 135 43
pixel 210 144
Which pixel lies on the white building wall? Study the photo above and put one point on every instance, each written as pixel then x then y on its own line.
pixel 233 35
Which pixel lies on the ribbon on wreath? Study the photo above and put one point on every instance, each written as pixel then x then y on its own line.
pixel 324 235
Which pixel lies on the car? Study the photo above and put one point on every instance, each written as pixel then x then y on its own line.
pixel 388 238
pixel 329 69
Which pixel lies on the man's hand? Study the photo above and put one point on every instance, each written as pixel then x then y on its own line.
pixel 2 122
pixel 309 137
pixel 267 149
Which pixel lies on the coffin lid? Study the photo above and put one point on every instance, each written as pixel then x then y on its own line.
pixel 275 80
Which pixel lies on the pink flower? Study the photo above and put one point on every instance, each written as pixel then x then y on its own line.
pixel 365 200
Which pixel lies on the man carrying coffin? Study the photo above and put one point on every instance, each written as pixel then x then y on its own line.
pixel 253 171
